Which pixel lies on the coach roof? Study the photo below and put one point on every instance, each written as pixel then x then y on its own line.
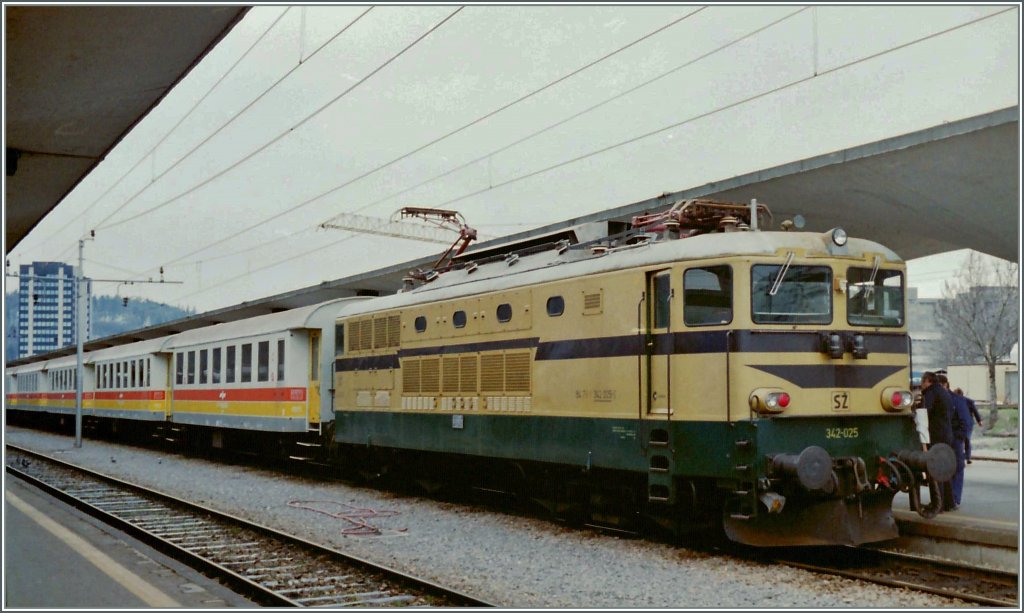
pixel 313 316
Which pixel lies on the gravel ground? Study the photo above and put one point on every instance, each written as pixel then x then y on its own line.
pixel 510 561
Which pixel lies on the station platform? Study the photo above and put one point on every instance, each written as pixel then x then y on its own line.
pixel 57 557
pixel 984 532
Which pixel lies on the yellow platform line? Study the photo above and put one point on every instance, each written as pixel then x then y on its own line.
pixel 135 584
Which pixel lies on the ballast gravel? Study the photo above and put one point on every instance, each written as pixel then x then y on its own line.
pixel 507 560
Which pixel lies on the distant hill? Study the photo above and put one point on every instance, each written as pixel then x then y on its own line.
pixel 110 316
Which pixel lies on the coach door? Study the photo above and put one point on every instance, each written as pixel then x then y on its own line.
pixel 658 342
pixel 314 377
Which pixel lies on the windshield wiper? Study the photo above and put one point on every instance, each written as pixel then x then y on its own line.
pixel 874 271
pixel 782 273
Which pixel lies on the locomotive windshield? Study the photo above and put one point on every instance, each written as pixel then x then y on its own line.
pixel 802 296
pixel 874 297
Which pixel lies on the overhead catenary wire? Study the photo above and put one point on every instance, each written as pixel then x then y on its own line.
pixel 283 134
pixel 585 111
pixel 737 103
pixel 167 134
pixel 308 201
pixel 691 119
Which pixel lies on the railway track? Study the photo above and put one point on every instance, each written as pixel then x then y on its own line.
pixel 988 588
pixel 270 567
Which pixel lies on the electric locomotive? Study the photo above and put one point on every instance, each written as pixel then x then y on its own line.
pixel 691 370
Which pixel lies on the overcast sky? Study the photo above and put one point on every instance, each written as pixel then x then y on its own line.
pixel 517 116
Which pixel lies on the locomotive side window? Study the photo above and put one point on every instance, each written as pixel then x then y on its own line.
pixel 263 361
pixel 802 295
pixel 707 296
pixel 246 363
pixel 459 319
pixel 874 297
pixel 504 312
pixel 339 339
pixel 662 298
pixel 421 324
pixel 179 369
pixel 556 306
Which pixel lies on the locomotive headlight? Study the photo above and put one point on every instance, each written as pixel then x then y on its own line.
pixel 839 237
pixel 769 400
pixel 896 399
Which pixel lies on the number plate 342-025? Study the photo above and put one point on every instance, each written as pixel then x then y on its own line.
pixel 841 401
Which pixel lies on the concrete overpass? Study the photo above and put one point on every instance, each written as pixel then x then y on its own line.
pixel 78 78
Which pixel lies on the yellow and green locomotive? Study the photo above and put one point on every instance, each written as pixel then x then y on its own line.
pixel 692 370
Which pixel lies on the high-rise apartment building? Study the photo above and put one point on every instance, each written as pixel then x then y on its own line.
pixel 46 307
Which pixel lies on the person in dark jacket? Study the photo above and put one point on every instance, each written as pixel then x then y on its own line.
pixel 975 417
pixel 961 423
pixel 939 404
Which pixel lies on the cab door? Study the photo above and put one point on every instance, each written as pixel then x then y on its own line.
pixel 313 392
pixel 658 342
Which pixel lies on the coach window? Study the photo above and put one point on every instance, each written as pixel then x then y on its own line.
pixel 118 377
pixel 145 372
pixel 280 359
pixel 229 368
pixel 246 363
pixel 421 324
pixel 707 296
pixel 459 319
pixel 556 306
pixel 191 367
pixel 203 364
pixel 263 361
pixel 504 312
pixel 132 377
pixel 216 366
pixel 179 368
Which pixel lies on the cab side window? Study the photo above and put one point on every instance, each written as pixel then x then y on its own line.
pixel 707 296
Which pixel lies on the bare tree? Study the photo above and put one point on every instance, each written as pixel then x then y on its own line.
pixel 979 316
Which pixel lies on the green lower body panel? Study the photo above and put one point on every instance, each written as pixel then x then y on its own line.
pixel 734 450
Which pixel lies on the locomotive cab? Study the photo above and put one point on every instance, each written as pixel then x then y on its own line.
pixel 823 371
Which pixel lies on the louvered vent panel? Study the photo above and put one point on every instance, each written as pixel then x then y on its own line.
pixel 450 375
pixel 380 333
pixel 411 376
pixel 517 372
pixel 353 335
pixel 430 375
pixel 394 330
pixel 467 374
pixel 592 302
pixel 492 373
pixel 366 335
